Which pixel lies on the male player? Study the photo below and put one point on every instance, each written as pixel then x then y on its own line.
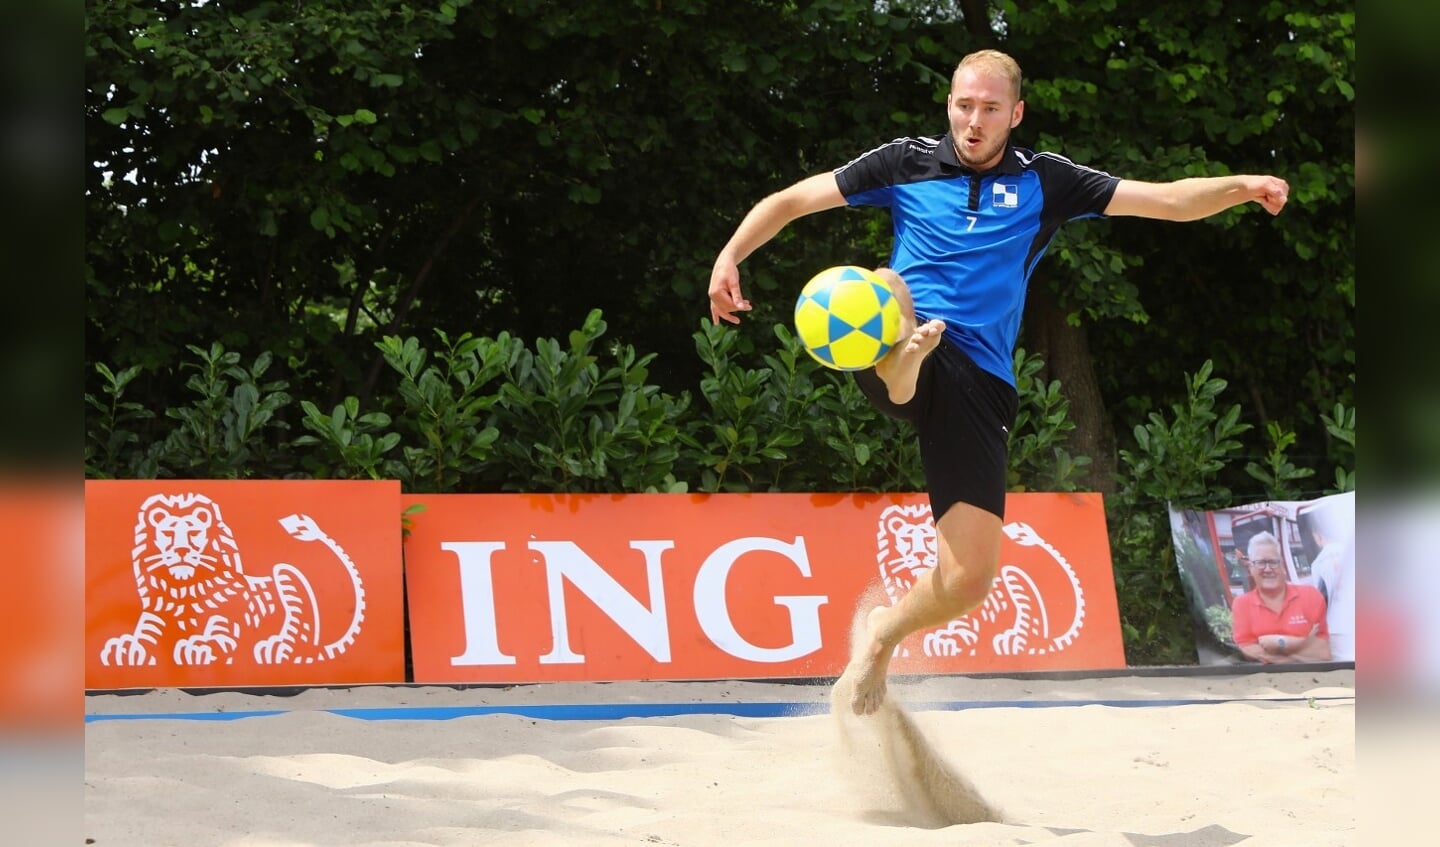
pixel 971 215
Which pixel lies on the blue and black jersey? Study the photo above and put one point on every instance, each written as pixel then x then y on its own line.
pixel 966 242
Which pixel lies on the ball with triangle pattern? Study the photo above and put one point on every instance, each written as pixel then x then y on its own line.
pixel 847 318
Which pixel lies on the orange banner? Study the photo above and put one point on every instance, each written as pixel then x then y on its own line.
pixel 528 588
pixel 242 583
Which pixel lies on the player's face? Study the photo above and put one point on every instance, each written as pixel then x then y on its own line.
pixel 982 110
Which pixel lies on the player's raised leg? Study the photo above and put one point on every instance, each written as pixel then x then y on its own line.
pixel 901 366
pixel 968 558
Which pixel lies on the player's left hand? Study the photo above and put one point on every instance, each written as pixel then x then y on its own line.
pixel 1271 192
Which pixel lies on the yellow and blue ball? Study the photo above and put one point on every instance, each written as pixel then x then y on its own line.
pixel 847 318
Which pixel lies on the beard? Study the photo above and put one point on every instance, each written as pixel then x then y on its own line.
pixel 985 156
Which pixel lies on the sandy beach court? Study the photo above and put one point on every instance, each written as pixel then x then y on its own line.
pixel 1134 761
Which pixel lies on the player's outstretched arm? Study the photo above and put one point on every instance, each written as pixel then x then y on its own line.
pixel 1197 197
pixel 767 218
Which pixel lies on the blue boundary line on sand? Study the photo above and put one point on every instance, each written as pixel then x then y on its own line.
pixel 620 711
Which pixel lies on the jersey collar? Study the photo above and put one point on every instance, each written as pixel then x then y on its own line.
pixel 1009 164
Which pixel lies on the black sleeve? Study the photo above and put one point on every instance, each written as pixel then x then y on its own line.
pixel 875 169
pixel 1071 190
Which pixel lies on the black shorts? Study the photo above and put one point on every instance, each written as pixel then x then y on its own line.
pixel 963 416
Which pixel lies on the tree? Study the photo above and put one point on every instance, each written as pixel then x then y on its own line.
pixel 1161 93
pixel 306 179
pixel 242 185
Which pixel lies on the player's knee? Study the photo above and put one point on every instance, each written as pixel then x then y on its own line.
pixel 893 279
pixel 965 585
pixel 902 293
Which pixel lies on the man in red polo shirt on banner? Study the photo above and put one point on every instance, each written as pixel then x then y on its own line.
pixel 1278 621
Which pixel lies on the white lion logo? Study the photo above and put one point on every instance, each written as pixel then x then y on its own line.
pixel 198 604
pixel 1014 609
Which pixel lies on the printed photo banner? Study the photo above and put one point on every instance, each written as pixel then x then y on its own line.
pixel 1316 552
pixel 208 583
pixel 529 588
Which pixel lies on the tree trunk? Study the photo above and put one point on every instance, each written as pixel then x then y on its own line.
pixel 1066 352
pixel 977 19
pixel 402 307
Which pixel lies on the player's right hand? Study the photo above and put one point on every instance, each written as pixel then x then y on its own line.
pixel 725 296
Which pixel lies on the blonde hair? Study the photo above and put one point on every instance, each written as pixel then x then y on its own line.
pixel 992 61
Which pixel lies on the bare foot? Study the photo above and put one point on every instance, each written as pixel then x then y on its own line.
pixel 901 367
pixel 869 663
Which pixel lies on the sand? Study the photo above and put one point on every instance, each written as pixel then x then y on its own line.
pixel 1268 759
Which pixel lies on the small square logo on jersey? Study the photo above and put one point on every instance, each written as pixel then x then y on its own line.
pixel 1005 196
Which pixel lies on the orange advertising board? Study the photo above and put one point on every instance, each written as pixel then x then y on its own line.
pixel 207 583
pixel 528 588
